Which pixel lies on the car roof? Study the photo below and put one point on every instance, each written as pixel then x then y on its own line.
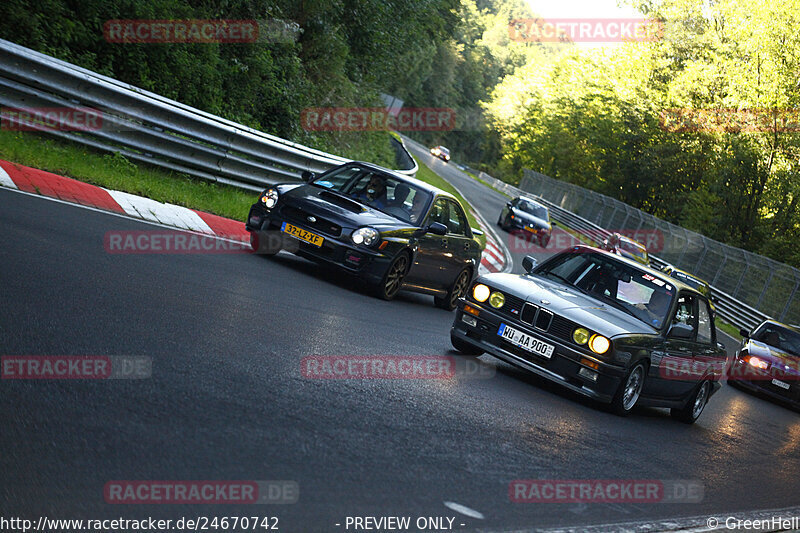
pixel 663 276
pixel 777 323
pixel 632 241
pixel 689 274
pixel 531 200
pixel 413 181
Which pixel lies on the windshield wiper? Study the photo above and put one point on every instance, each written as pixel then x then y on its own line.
pixel 562 278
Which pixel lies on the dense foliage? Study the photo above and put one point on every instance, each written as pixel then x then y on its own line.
pixel 597 118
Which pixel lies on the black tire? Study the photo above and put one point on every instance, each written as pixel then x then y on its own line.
pixel 629 391
pixel 500 220
pixel 392 279
pixel 262 248
pixel 456 291
pixel 464 348
pixel 694 407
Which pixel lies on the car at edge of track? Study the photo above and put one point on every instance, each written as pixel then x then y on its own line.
pixel 391 231
pixel 441 152
pixel 601 325
pixel 768 362
pixel 689 279
pixel 527 217
pixel 626 247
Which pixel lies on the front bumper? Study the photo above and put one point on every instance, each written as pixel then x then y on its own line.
pixel 336 251
pixel 562 367
pixel 762 381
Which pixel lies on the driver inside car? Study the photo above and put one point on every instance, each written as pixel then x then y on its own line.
pixel 374 193
pixel 656 307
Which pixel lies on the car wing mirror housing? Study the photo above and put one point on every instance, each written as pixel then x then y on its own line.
pixel 476 232
pixel 681 331
pixel 437 228
pixel 744 333
pixel 307 175
pixel 529 263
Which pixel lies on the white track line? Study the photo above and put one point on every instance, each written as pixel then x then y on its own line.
pixel 463 509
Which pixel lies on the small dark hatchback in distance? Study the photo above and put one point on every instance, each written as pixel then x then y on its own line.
pixel 528 216
pixel 601 325
pixel 768 362
pixel 391 231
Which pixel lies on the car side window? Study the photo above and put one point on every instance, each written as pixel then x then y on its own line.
pixel 704 333
pixel 684 313
pixel 439 212
pixel 457 220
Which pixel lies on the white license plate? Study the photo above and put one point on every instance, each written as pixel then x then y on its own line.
pixel 781 384
pixel 525 341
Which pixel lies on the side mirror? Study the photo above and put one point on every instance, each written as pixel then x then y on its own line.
pixel 744 333
pixel 476 232
pixel 720 346
pixel 681 331
pixel 508 204
pixel 437 228
pixel 307 176
pixel 529 263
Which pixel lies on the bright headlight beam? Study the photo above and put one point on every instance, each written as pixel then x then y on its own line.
pixel 480 292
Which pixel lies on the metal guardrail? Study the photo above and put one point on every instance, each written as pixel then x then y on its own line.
pixel 146 127
pixel 728 308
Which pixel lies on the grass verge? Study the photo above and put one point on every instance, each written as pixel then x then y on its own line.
pixel 114 171
pixel 731 330
pixel 428 176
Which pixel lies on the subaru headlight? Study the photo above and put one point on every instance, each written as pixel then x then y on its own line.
pixel 269 198
pixel 366 236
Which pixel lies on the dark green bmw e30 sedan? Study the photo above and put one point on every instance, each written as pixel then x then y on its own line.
pixel 601 325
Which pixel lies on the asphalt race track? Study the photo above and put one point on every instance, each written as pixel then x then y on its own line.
pixel 227 401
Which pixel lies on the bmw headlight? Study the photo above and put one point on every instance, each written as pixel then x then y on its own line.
pixel 581 335
pixel 599 344
pixel 480 292
pixel 270 198
pixel 366 236
pixel 497 299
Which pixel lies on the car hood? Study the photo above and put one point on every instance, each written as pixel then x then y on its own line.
pixel 774 356
pixel 530 219
pixel 570 303
pixel 338 208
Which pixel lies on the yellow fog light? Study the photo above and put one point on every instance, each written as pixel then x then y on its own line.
pixel 581 335
pixel 480 292
pixel 497 300
pixel 599 344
